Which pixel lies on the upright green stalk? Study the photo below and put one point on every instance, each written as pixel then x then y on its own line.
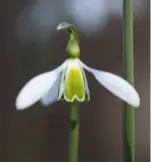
pixel 74 132
pixel 73 51
pixel 129 112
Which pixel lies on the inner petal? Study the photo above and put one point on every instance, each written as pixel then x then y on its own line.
pixel 74 83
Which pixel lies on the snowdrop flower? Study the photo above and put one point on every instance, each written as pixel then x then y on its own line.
pixel 68 81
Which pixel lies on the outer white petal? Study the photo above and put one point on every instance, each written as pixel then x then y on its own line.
pixel 117 85
pixel 37 87
pixel 52 95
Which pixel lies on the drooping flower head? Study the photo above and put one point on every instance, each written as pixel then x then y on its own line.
pixel 68 81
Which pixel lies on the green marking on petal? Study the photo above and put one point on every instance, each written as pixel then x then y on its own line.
pixel 74 83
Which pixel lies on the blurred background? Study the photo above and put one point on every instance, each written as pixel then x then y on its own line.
pixel 31 45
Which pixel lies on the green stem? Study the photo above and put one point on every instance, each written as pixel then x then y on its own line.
pixel 129 113
pixel 74 132
pixel 74 114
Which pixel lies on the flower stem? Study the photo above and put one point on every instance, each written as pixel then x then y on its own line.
pixel 129 112
pixel 74 132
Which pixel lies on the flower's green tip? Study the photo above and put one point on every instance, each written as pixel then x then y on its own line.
pixel 73 32
pixel 64 25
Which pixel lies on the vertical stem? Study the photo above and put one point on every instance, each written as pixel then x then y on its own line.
pixel 129 125
pixel 74 132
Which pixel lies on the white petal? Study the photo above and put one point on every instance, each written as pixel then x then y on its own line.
pixel 62 85
pixel 86 84
pixel 52 95
pixel 37 87
pixel 116 85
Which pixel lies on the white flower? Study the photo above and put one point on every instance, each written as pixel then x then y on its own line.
pixel 69 82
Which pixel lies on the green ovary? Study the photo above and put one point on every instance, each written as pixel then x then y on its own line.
pixel 74 84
